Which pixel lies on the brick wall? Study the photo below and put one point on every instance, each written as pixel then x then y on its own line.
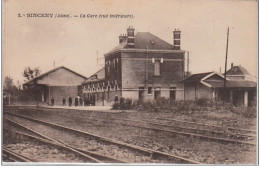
pixel 131 74
pixel 113 74
pixel 134 64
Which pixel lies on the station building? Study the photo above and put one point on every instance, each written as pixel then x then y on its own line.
pixel 56 84
pixel 142 66
pixel 240 89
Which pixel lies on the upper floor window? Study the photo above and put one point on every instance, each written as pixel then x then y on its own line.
pixel 108 66
pixel 116 64
pixel 157 68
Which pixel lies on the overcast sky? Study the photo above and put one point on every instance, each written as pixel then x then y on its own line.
pixel 74 42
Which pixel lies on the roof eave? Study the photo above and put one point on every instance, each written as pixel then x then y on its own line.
pixel 144 51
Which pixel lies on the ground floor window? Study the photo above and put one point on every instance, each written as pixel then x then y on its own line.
pixel 150 90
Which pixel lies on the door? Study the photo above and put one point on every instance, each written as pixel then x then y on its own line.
pixel 141 93
pixel 173 93
pixel 157 93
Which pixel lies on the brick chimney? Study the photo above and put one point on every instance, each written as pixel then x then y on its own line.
pixel 232 65
pixel 122 38
pixel 176 39
pixel 131 37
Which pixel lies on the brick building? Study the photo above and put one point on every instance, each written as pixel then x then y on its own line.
pixel 55 84
pixel 141 66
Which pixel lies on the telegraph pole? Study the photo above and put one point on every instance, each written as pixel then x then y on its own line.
pixel 226 60
pixel 188 61
pixel 146 64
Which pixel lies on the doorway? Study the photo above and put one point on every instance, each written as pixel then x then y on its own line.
pixel 157 93
pixel 173 93
pixel 141 93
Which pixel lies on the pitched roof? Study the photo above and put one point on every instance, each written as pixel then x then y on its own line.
pixel 196 77
pixel 99 75
pixel 237 70
pixel 153 42
pixel 218 82
pixel 233 84
pixel 53 70
pixel 143 39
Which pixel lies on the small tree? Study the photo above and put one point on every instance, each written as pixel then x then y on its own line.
pixel 9 89
pixel 30 73
pixel 9 86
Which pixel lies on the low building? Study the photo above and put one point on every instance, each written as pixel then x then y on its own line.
pixel 93 91
pixel 240 89
pixel 56 84
pixel 142 66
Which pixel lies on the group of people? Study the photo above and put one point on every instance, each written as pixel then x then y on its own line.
pixel 78 101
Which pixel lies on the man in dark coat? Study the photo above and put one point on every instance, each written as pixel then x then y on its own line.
pixel 70 101
pixel 80 101
pixel 64 101
pixel 52 101
pixel 76 101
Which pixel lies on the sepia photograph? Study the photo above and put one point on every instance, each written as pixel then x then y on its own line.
pixel 133 82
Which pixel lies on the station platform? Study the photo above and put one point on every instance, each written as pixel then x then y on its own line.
pixel 91 108
pixel 87 108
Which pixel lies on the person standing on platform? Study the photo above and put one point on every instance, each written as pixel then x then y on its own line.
pixel 70 101
pixel 52 101
pixel 76 101
pixel 80 101
pixel 64 101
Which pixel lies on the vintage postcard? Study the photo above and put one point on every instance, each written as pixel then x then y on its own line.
pixel 133 82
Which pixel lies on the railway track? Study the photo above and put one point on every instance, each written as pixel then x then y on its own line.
pixel 233 132
pixel 194 132
pixel 236 130
pixel 87 155
pixel 11 156
pixel 186 130
pixel 208 135
pixel 152 154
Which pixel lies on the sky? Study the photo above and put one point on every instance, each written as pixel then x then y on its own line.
pixel 74 42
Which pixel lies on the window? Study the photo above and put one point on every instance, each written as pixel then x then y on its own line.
pixel 116 64
pixel 108 66
pixel 150 90
pixel 157 68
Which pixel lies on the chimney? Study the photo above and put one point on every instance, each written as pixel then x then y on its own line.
pixel 131 37
pixel 122 38
pixel 232 65
pixel 176 39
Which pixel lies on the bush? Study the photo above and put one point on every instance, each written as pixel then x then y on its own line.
pixel 124 104
pixel 203 102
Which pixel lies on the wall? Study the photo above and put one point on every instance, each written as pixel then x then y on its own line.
pixel 61 77
pixel 58 92
pixel 202 91
pixel 189 91
pixel 112 74
pixel 134 65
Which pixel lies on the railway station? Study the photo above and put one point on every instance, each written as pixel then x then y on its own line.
pixel 72 119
